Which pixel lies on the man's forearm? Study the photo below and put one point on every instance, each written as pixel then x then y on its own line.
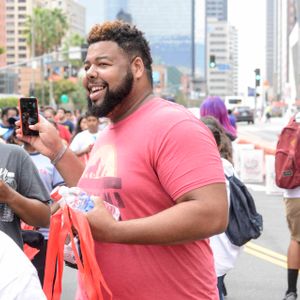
pixel 31 211
pixel 70 168
pixel 184 222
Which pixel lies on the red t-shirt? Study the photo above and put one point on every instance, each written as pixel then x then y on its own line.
pixel 142 164
pixel 64 133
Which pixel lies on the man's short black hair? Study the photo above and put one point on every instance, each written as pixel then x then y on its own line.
pixel 5 110
pixel 128 38
pixel 90 114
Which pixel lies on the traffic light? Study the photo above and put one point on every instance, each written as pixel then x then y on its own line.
pixel 257 77
pixel 212 61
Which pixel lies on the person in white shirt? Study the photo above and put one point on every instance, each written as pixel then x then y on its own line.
pixel 225 253
pixel 83 142
pixel 18 277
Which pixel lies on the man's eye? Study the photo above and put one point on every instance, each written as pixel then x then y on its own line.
pixel 104 64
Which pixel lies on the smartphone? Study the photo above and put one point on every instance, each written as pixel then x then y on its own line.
pixel 28 115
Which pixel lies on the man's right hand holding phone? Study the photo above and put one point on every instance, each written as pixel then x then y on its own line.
pixel 48 142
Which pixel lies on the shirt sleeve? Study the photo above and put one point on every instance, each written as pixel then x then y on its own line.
pixel 57 179
pixel 75 144
pixel 188 158
pixel 30 184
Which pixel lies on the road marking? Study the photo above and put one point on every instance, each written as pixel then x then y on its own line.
pixel 266 254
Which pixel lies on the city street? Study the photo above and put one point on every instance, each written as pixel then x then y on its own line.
pixel 262 132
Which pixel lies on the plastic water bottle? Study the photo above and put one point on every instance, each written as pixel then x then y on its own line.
pixel 79 200
pixel 6 213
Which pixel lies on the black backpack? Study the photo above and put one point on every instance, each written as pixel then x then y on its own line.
pixel 244 221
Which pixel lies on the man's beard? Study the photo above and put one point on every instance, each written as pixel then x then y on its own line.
pixel 112 98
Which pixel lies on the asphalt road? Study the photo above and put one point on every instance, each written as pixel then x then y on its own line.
pixel 261 132
pixel 260 272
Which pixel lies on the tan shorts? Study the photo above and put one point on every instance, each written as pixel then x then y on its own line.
pixel 292 206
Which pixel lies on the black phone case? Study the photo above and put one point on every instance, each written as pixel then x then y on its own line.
pixel 29 115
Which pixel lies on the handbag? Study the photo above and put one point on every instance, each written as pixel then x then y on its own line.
pixel 62 224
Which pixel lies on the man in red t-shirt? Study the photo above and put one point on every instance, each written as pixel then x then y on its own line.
pixel 158 164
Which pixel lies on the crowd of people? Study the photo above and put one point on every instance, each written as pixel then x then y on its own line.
pixel 162 167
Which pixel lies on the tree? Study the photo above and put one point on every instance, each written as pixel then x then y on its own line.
pixel 1 50
pixel 74 40
pixel 76 92
pixel 45 30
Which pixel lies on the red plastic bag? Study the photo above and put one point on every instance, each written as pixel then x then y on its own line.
pixel 61 225
pixel 30 252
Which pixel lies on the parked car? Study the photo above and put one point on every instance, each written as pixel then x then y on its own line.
pixel 243 114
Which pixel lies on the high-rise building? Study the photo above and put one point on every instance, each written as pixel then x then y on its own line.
pixel 74 12
pixel 270 40
pixel 294 49
pixel 216 9
pixel 16 13
pixel 280 17
pixel 222 46
pixel 221 40
pixel 113 7
pixel 17 51
pixel 16 46
pixel 2 33
pixel 167 26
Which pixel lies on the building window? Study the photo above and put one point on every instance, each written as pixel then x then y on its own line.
pixel 22 55
pixel 10 25
pixel 218 80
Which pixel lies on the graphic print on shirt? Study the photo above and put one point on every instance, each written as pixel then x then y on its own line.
pixel 100 176
pixel 6 214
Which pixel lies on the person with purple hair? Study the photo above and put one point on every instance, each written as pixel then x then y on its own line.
pixel 214 106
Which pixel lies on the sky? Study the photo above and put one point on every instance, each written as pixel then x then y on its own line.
pixel 248 16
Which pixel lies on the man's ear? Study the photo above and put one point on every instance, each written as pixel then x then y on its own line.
pixel 137 67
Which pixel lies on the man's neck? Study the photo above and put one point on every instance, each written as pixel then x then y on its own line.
pixel 130 106
pixel 93 131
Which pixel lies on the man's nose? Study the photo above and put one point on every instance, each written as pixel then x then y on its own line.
pixel 91 72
